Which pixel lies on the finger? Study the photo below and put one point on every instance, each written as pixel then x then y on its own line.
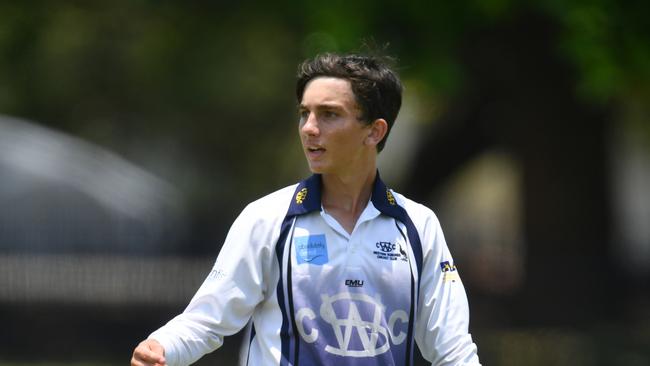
pixel 144 353
pixel 151 357
pixel 157 348
pixel 157 351
pixel 136 362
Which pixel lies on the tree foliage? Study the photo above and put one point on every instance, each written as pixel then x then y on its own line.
pixel 203 91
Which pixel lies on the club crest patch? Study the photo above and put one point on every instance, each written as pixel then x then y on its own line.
pixel 311 249
pixel 390 197
pixel 301 195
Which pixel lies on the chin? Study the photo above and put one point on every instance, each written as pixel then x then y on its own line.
pixel 317 168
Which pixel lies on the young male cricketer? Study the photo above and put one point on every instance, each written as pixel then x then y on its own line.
pixel 337 269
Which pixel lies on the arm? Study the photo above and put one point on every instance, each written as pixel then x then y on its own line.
pixel 227 298
pixel 443 311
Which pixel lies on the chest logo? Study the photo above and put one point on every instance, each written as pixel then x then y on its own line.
pixel 387 251
pixel 354 283
pixel 311 249
pixel 385 246
pixel 374 335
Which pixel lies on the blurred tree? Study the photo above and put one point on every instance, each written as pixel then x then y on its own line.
pixel 201 93
pixel 188 90
pixel 544 81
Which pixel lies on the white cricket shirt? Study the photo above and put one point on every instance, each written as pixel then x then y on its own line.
pixel 313 294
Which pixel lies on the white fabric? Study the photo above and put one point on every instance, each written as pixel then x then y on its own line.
pixel 351 292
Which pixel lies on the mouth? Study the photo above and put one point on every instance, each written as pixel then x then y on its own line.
pixel 315 151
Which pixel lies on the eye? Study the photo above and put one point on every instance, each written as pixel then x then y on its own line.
pixel 330 114
pixel 303 114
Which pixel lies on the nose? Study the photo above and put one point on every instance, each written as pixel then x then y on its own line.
pixel 310 125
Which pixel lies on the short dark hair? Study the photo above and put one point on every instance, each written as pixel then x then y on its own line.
pixel 376 87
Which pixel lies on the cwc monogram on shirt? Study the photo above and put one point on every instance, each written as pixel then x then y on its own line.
pixel 385 246
pixel 373 335
pixel 387 251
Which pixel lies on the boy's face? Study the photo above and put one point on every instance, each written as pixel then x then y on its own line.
pixel 333 138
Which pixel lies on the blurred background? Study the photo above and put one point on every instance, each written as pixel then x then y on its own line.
pixel 132 133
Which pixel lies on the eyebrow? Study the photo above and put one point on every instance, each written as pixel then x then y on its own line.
pixel 322 106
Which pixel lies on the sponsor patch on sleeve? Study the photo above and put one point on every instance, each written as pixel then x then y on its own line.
pixel 449 272
pixel 311 249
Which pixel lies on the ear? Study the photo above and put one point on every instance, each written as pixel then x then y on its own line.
pixel 376 132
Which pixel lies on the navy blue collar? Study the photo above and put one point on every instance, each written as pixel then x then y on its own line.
pixel 307 198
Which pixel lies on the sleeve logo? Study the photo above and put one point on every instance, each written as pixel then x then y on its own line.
pixel 449 272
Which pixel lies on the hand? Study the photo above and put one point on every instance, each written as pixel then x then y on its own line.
pixel 149 353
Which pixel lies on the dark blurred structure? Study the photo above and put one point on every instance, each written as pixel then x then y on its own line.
pixel 520 100
pixel 68 196
pixel 81 230
pixel 525 128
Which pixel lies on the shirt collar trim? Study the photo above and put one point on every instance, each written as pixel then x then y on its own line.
pixel 307 198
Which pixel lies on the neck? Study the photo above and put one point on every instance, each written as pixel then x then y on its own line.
pixel 348 194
